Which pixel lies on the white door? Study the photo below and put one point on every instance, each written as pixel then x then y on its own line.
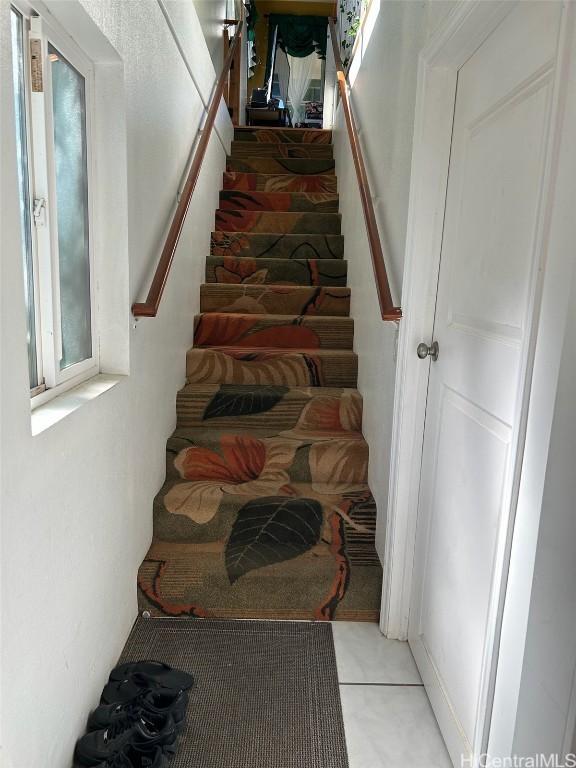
pixel 490 259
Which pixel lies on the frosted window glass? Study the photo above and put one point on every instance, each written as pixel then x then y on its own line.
pixel 69 108
pixel 24 187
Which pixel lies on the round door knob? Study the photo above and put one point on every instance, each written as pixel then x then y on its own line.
pixel 423 350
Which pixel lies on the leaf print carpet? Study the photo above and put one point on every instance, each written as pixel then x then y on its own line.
pixel 265 693
pixel 266 511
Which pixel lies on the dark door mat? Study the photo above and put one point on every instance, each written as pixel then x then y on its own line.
pixel 266 692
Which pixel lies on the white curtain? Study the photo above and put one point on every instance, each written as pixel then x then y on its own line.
pixel 283 72
pixel 300 75
pixel 250 56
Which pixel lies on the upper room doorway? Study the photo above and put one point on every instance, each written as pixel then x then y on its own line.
pixel 287 42
pixel 299 82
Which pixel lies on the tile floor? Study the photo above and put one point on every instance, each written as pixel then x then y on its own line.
pixel 387 717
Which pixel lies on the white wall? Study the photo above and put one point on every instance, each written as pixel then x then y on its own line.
pixel 211 13
pixel 549 665
pixel 383 94
pixel 77 498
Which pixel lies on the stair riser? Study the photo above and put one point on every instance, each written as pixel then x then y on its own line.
pixel 262 182
pixel 255 246
pixel 274 300
pixel 236 200
pixel 291 368
pixel 281 149
pixel 281 409
pixel 310 463
pixel 276 271
pixel 275 135
pixel 278 222
pixel 280 166
pixel 264 331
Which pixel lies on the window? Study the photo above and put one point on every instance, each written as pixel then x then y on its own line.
pixel 275 87
pixel 52 87
pixel 314 92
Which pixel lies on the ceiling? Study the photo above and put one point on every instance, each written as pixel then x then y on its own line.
pixel 316 7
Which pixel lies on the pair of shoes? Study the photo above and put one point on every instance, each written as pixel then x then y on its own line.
pixel 142 710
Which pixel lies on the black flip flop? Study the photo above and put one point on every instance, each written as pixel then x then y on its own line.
pixel 123 691
pixel 162 674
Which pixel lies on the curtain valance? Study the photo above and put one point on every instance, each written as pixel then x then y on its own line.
pixel 298 36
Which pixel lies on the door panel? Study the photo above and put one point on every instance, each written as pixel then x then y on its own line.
pixel 494 167
pixel 489 264
pixel 466 502
pixel 489 245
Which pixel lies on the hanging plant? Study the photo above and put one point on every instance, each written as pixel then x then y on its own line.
pixel 351 12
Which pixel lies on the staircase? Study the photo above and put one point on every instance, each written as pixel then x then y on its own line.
pixel 265 512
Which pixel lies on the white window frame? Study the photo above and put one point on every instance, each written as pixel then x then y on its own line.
pixel 42 181
pixel 30 163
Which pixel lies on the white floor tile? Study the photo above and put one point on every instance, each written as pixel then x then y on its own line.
pixel 363 655
pixel 391 727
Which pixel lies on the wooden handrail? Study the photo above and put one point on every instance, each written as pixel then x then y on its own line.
pixel 149 308
pixel 387 308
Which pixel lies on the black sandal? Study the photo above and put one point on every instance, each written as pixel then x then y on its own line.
pixel 162 674
pixel 123 691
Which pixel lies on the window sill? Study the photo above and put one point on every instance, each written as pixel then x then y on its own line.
pixel 45 416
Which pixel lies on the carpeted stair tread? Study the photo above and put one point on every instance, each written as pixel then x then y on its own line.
pixel 227 269
pixel 183 579
pixel 281 149
pixel 328 455
pixel 278 246
pixel 278 222
pixel 274 299
pixel 236 406
pixel 217 329
pixel 291 135
pixel 182 514
pixel 236 493
pixel 242 466
pixel 314 410
pixel 274 182
pixel 280 165
pixel 284 367
pixel 240 200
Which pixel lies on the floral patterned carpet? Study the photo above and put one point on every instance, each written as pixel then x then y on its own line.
pixel 266 511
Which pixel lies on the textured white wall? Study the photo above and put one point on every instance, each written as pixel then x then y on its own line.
pixel 77 499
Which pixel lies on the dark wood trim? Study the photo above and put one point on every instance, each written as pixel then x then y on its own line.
pixel 149 308
pixel 226 93
pixel 387 308
pixel 234 85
